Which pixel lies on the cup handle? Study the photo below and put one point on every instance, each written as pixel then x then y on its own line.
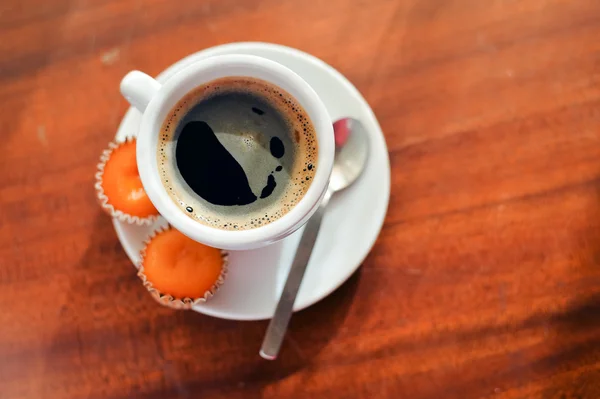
pixel 138 89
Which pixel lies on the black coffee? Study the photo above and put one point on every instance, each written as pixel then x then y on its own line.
pixel 237 153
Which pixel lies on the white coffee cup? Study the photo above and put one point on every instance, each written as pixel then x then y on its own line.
pixel 155 101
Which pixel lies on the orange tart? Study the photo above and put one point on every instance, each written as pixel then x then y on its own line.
pixel 180 272
pixel 119 188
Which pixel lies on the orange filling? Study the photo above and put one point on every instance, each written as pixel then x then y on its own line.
pixel 122 185
pixel 181 267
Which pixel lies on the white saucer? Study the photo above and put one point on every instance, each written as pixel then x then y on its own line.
pixel 350 227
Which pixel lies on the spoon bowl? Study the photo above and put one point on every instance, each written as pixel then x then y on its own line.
pixel 351 150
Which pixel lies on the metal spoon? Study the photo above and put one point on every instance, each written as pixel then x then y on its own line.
pixel 351 150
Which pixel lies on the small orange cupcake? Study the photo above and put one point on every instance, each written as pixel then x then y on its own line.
pixel 180 272
pixel 119 188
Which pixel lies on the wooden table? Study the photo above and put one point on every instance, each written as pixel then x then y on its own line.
pixel 484 282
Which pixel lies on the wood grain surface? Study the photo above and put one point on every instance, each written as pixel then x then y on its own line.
pixel 484 282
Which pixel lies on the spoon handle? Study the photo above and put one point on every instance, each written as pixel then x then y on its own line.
pixel 281 318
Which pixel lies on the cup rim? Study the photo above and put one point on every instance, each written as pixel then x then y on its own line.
pixel 202 72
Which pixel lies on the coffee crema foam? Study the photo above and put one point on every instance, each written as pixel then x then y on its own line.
pixel 293 175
